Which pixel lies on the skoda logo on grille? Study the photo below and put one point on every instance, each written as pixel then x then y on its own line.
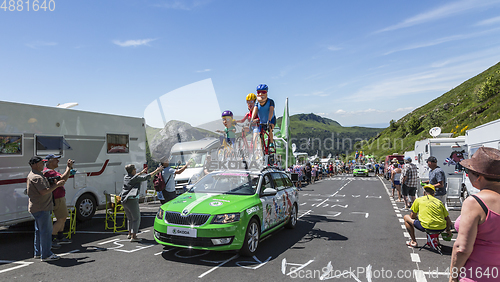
pixel 185 212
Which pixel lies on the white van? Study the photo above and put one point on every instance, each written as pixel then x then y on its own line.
pixel 100 144
pixel 196 150
pixel 486 135
pixel 448 152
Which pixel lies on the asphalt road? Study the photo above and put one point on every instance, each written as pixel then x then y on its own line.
pixel 349 229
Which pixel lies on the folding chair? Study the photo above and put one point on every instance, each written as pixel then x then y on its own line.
pixel 113 209
pixel 150 194
pixel 454 195
pixel 432 240
pixel 72 221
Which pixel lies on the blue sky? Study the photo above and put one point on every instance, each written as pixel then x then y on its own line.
pixel 361 62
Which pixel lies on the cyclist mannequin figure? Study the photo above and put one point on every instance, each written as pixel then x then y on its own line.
pixel 254 127
pixel 230 130
pixel 264 110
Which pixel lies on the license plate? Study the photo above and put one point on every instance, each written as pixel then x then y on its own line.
pixel 179 231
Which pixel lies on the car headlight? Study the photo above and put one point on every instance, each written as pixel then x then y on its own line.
pixel 159 214
pixel 226 218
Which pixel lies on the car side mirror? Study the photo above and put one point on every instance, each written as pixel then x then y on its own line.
pixel 269 192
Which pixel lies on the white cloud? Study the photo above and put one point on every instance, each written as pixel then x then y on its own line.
pixel 445 11
pixel 333 48
pixel 134 43
pixel 37 44
pixel 205 70
pixel 186 5
pixel 489 21
pixel 340 112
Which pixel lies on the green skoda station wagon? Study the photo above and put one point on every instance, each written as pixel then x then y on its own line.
pixel 229 210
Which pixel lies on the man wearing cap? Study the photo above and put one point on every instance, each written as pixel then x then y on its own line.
pixel 60 209
pixel 409 182
pixel 437 177
pixel 40 206
pixel 427 213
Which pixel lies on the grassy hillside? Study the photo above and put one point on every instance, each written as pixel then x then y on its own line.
pixel 472 103
pixel 312 133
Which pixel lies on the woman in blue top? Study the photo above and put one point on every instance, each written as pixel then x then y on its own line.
pixel 264 109
pixel 130 197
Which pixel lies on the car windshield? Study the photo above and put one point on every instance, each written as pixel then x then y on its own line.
pixel 181 160
pixel 237 183
pixel 360 167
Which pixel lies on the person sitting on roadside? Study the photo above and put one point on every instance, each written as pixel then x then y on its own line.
pixel 427 214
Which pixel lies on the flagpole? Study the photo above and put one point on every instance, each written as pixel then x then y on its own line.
pixel 287 133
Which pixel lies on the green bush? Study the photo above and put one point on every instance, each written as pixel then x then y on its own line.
pixel 487 89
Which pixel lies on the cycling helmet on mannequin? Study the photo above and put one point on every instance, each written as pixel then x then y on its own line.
pixel 262 87
pixel 227 113
pixel 251 97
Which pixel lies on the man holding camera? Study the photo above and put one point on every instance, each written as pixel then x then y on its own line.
pixel 40 206
pixel 59 200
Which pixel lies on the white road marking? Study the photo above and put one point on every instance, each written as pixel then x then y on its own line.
pixel 406 234
pixel 299 268
pixel 399 215
pixel 259 263
pixel 102 243
pixel 70 252
pixel 19 265
pixel 403 226
pixel 221 264
pixel 419 275
pixel 165 251
pixel 342 206
pixel 415 257
pixel 302 204
pixel 375 197
pixel 356 196
pixel 401 220
pixel 365 213
pixel 306 213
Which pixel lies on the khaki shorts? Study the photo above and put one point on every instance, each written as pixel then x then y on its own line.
pixel 60 209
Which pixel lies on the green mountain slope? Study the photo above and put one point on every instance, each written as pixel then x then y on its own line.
pixel 315 134
pixel 472 103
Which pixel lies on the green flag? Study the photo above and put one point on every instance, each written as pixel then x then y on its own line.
pixel 285 122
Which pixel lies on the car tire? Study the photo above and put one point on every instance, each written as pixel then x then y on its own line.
pixel 292 221
pixel 252 237
pixel 86 206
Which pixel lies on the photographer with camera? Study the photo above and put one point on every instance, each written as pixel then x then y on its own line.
pixel 58 196
pixel 40 206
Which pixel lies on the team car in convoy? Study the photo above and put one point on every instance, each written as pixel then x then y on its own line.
pixel 360 170
pixel 229 210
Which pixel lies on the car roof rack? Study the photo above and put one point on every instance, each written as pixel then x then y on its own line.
pixel 270 168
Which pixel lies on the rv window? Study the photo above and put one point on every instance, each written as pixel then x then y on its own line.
pixel 117 143
pixel 11 144
pixel 51 145
pixel 427 148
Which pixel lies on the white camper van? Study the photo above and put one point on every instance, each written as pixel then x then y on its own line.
pixel 196 150
pixel 411 154
pixel 448 151
pixel 101 145
pixel 486 135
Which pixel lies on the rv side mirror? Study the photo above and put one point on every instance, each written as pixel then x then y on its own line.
pixel 269 192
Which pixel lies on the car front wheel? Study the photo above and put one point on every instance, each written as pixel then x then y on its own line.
pixel 252 236
pixel 292 222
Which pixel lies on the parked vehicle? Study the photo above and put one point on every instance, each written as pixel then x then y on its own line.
pixel 486 135
pixel 196 150
pixel 411 154
pixel 229 210
pixel 101 145
pixel 448 152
